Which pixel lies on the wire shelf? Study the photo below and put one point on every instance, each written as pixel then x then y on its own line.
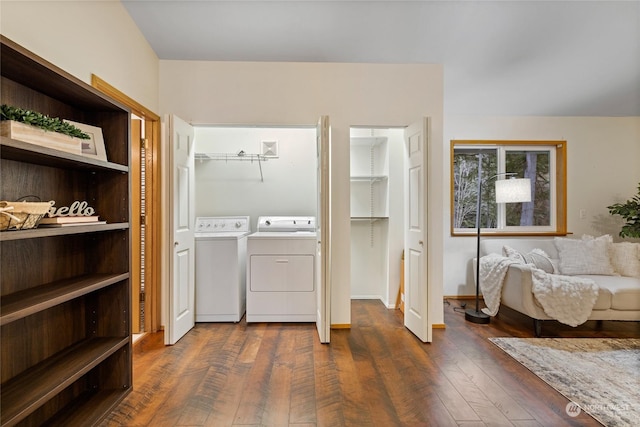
pixel 234 157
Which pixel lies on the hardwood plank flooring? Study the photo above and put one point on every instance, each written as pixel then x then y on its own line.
pixel 374 374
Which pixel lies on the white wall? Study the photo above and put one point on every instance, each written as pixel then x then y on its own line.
pixel 603 167
pixel 84 38
pixel 234 188
pixel 259 93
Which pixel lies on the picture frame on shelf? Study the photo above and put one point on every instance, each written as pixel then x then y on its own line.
pixel 94 146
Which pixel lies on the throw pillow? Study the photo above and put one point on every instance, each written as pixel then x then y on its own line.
pixel 625 258
pixel 537 257
pixel 509 252
pixel 584 256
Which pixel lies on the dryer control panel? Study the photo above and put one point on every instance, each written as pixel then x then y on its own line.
pixel 286 223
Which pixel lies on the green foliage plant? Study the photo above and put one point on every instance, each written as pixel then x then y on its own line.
pixel 630 211
pixel 41 121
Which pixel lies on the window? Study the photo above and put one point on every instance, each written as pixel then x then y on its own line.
pixel 544 162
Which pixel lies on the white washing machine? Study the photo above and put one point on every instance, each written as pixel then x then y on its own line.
pixel 221 253
pixel 281 282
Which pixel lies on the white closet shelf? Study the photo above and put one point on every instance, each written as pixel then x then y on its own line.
pixel 369 178
pixel 233 157
pixel 368 218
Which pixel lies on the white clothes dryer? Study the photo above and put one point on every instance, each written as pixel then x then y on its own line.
pixel 281 270
pixel 221 253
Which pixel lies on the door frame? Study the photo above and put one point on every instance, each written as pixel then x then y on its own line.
pixel 323 225
pixel 153 196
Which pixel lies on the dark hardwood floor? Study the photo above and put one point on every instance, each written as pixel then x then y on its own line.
pixel 375 374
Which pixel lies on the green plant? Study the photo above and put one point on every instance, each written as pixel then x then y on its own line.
pixel 34 118
pixel 630 211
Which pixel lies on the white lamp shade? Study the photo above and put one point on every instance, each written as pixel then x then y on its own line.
pixel 513 190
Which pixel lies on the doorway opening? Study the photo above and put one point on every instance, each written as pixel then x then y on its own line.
pixel 268 176
pixel 277 177
pixel 187 144
pixel 377 163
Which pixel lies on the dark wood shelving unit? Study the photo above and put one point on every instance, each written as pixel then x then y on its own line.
pixel 65 300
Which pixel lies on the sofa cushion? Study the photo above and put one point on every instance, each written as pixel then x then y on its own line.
pixel 625 258
pixel 616 292
pixel 584 256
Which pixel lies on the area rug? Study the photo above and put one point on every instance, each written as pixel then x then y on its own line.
pixel 600 376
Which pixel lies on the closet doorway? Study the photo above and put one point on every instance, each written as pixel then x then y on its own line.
pixel 146 211
pixel 377 213
pixel 390 218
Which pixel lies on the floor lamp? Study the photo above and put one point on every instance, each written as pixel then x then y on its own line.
pixel 512 190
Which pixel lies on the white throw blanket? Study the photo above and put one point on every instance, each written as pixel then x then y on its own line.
pixel 566 299
pixel 493 268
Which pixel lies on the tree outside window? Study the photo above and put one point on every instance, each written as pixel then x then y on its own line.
pixel 534 165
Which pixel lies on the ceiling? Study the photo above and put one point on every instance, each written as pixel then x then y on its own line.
pixel 546 58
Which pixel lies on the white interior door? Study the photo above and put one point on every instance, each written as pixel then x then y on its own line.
pixel 182 269
pixel 323 221
pixel 416 293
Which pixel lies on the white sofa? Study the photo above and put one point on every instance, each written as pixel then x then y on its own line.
pixel 618 296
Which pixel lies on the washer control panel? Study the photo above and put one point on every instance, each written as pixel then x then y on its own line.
pixel 222 224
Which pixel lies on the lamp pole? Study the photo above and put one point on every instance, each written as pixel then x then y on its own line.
pixel 475 315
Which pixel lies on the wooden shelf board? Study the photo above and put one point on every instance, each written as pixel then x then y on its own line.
pixel 25 393
pixel 60 231
pixel 13 149
pixel 32 71
pixel 25 303
pixel 89 408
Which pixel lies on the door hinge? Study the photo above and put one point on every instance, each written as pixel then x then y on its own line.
pixel 144 143
pixel 142 294
pixel 143 219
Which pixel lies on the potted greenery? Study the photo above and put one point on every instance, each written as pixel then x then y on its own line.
pixel 36 128
pixel 630 211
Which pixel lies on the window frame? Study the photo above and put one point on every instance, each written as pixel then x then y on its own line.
pixel 558 226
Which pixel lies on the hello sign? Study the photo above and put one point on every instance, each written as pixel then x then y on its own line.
pixel 77 208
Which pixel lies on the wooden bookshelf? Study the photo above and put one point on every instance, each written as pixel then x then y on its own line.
pixel 65 296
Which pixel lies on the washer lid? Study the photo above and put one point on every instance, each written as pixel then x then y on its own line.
pixel 222 224
pixel 286 223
